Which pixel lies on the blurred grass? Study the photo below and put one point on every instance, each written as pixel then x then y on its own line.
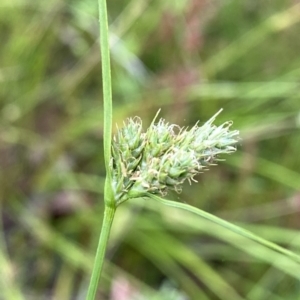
pixel 190 58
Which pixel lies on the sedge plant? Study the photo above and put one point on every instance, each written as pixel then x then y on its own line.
pixel 147 163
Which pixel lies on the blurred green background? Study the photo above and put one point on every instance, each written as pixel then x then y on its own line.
pixel 190 58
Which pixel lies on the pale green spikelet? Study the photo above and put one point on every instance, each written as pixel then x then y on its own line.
pixel 127 148
pixel 164 156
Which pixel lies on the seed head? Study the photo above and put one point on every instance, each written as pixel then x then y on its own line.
pixel 165 156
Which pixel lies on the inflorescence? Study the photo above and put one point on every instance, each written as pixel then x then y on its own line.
pixel 166 155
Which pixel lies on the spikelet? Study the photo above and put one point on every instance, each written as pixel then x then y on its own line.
pixel 165 156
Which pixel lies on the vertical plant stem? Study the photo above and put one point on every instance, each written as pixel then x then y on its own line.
pixel 106 79
pixel 109 213
pixel 109 200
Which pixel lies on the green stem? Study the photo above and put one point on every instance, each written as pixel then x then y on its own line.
pixel 109 213
pixel 109 200
pixel 106 80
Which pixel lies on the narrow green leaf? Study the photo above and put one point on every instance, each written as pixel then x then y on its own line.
pixel 245 233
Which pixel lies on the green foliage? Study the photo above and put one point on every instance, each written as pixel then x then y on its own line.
pixel 189 59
